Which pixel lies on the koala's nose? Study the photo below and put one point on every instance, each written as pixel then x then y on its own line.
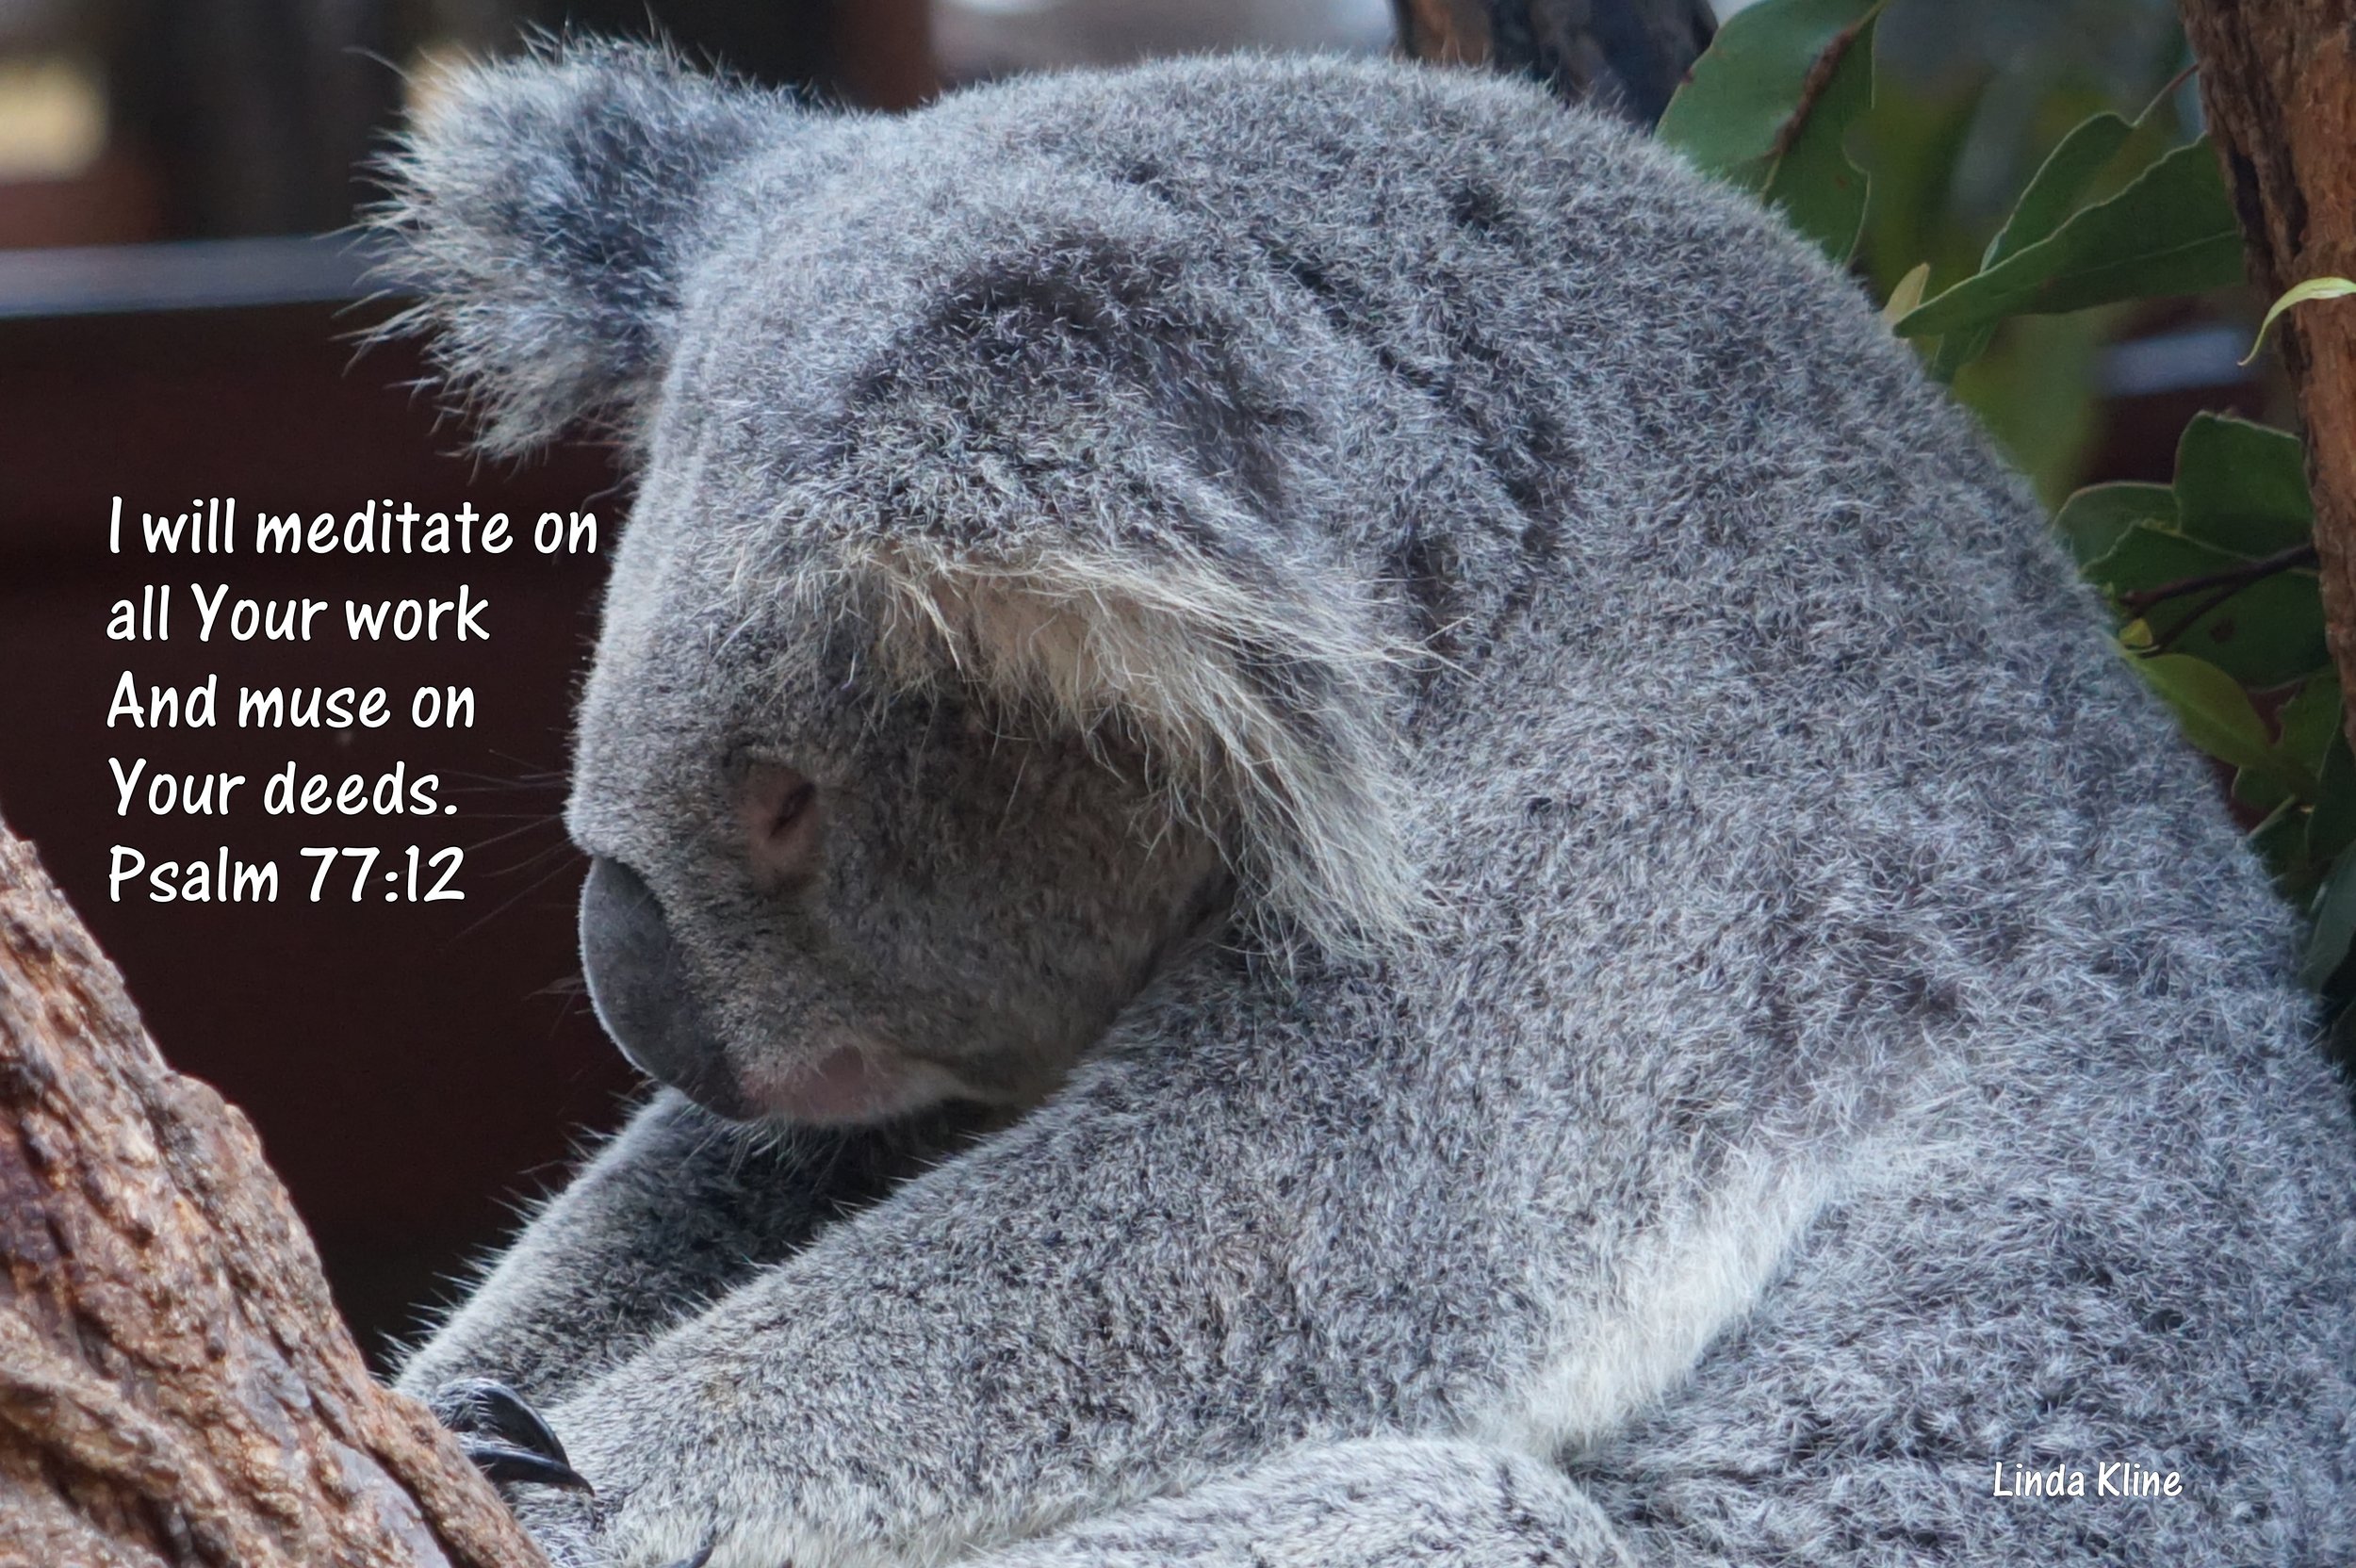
pixel 638 984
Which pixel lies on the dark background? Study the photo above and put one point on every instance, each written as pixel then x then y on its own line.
pixel 172 327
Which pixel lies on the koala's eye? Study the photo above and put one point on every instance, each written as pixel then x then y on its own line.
pixel 777 807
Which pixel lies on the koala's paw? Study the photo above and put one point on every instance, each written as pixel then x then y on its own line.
pixel 513 1445
pixel 571 1531
pixel 564 1527
pixel 503 1435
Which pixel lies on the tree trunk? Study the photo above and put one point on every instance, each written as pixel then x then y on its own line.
pixel 1627 55
pixel 175 1387
pixel 2278 79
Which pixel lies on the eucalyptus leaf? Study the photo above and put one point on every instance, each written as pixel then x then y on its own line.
pixel 1908 293
pixel 2309 721
pixel 2279 841
pixel 2053 191
pixel 2269 634
pixel 2052 194
pixel 2148 556
pixel 2173 231
pixel 2267 793
pixel 2093 520
pixel 1737 105
pixel 2336 923
pixel 2212 709
pixel 2299 294
pixel 2331 825
pixel 1814 183
pixel 1770 103
pixel 2242 487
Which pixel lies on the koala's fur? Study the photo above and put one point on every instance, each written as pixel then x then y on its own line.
pixel 1573 946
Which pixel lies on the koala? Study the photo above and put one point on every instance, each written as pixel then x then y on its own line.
pixel 1349 832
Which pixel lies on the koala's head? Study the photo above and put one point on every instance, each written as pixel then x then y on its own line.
pixel 963 659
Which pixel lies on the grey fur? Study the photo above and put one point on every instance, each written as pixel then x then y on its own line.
pixel 546 205
pixel 1584 952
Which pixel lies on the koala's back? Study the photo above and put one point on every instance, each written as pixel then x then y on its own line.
pixel 1784 723
pixel 1687 528
pixel 1841 1045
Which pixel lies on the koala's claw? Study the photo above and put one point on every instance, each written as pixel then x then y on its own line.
pixel 503 1461
pixel 503 1435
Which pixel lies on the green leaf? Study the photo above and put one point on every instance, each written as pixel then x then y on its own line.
pixel 2211 707
pixel 2309 721
pixel 1958 349
pixel 2173 231
pixel 2269 634
pixel 2242 487
pixel 2148 556
pixel 2053 191
pixel 2336 923
pixel 2298 294
pixel 2263 791
pixel 2093 520
pixel 1908 293
pixel 1814 184
pixel 2052 194
pixel 2331 825
pixel 2307 727
pixel 1738 98
pixel 1768 105
pixel 2280 842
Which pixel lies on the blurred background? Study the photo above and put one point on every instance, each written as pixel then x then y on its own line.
pixel 177 318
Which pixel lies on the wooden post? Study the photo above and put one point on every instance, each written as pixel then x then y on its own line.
pixel 175 1387
pixel 2278 79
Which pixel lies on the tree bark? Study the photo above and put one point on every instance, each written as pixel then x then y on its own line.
pixel 175 1387
pixel 2278 80
pixel 1627 55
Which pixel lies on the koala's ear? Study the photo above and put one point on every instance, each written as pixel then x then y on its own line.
pixel 1117 558
pixel 543 210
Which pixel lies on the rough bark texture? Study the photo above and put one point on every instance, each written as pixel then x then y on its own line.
pixel 175 1387
pixel 1628 55
pixel 2278 79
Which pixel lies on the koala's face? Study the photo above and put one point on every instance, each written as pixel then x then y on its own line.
pixel 1071 456
pixel 814 902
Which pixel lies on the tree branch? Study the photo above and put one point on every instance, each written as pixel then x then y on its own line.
pixel 2278 80
pixel 175 1385
pixel 2232 577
